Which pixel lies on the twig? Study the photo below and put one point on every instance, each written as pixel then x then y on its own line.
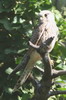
pixel 58 73
pixel 56 93
pixel 55 73
pixel 39 69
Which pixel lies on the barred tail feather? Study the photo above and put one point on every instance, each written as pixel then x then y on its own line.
pixel 21 66
pixel 22 78
pixel 33 58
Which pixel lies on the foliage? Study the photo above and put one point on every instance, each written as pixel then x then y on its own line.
pixel 17 20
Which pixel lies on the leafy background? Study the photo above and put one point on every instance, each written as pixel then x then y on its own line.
pixel 17 21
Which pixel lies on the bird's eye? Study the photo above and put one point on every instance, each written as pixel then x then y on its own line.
pixel 45 15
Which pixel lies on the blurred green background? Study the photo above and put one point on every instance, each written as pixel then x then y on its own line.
pixel 17 21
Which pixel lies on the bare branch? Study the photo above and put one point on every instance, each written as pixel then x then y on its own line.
pixel 56 93
pixel 58 73
pixel 55 73
pixel 62 43
pixel 39 69
pixel 42 91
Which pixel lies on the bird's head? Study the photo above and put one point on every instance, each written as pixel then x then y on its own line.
pixel 46 15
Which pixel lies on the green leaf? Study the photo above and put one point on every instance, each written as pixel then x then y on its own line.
pixel 9 70
pixel 19 98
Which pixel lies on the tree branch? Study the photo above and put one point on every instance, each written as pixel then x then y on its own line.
pixel 58 73
pixel 45 84
pixel 39 69
pixel 55 73
pixel 43 90
pixel 56 93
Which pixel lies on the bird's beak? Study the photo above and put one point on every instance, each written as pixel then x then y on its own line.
pixel 39 15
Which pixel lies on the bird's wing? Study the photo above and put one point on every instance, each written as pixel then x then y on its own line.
pixel 34 39
pixel 37 34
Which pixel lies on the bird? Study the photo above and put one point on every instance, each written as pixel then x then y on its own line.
pixel 46 28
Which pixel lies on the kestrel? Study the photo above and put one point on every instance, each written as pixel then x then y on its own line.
pixel 47 28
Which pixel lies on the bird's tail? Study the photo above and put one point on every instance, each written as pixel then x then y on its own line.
pixel 22 78
pixel 33 58
pixel 21 66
